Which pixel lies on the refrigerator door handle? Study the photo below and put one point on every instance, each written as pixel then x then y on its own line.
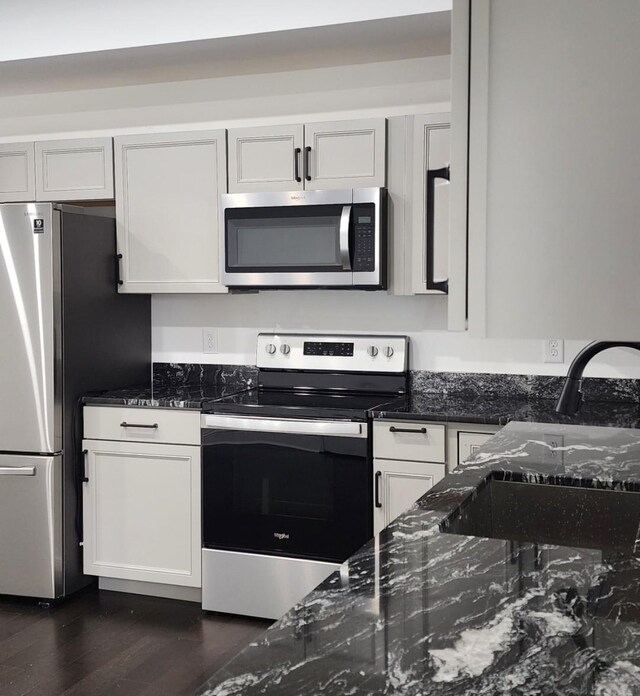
pixel 17 471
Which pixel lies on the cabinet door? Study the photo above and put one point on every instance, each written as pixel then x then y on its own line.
pixel 431 152
pixel 267 158
pixel 142 512
pixel 398 484
pixel 74 170
pixel 553 170
pixel 17 172
pixel 167 209
pixel 345 154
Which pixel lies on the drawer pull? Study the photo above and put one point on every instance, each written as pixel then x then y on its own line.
pixel 124 424
pixel 393 429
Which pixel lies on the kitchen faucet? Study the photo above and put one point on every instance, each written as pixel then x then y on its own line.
pixel 570 399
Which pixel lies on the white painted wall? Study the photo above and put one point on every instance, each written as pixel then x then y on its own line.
pixel 178 321
pixel 36 28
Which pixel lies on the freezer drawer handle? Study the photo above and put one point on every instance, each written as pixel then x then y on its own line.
pixel 393 429
pixel 124 424
pixel 17 470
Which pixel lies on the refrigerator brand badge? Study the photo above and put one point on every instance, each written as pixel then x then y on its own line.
pixel 38 225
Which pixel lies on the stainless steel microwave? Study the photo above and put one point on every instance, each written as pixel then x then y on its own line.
pixel 305 239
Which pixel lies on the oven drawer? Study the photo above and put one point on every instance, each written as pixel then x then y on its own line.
pixel 142 425
pixel 409 440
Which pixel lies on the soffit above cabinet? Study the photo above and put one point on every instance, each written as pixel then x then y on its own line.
pixel 395 38
pixel 66 27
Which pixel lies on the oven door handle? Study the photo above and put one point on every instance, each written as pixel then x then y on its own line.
pixel 272 425
pixel 345 256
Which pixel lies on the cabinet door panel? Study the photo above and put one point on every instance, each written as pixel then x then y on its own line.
pixel 142 512
pixel 432 151
pixel 17 172
pixel 346 154
pixel 167 208
pixel 74 170
pixel 399 484
pixel 265 159
pixel 553 170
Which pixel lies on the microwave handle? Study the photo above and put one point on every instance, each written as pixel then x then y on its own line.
pixel 432 175
pixel 345 256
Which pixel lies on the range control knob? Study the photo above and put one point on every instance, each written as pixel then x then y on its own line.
pixel 270 348
pixel 388 351
pixel 372 351
pixel 285 349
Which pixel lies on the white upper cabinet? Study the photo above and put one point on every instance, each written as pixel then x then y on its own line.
pixel 345 154
pixel 17 172
pixel 168 187
pixel 267 158
pixel 74 170
pixel 57 170
pixel 335 154
pixel 554 176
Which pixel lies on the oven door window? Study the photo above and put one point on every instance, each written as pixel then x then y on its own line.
pixel 283 240
pixel 295 495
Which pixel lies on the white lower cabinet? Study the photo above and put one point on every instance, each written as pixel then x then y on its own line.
pixel 142 512
pixel 398 484
pixel 410 457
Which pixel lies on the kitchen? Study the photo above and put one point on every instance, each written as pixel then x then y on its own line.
pixel 506 335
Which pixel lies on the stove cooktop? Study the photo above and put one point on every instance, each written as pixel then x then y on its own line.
pixel 305 404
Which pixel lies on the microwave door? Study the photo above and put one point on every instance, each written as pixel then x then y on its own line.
pixel 283 246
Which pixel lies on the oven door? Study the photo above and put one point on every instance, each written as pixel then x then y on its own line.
pixel 286 487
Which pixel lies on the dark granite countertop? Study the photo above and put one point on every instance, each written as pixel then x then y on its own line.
pixel 177 385
pixel 441 604
pixel 187 396
pixel 499 410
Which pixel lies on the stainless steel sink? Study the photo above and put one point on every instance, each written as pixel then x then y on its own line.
pixel 553 514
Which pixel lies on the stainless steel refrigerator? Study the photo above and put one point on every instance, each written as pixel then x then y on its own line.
pixel 64 331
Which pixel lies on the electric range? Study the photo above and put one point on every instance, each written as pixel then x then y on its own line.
pixel 287 480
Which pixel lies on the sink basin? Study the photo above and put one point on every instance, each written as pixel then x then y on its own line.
pixel 552 514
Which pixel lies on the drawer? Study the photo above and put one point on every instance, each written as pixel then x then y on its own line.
pixel 410 440
pixel 469 443
pixel 142 425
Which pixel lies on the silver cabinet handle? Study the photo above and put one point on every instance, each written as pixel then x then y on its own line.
pixel 17 470
pixel 124 424
pixel 344 238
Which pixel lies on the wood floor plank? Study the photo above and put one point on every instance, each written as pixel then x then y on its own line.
pixel 104 643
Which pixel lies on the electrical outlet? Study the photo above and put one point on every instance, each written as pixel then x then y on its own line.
pixel 554 350
pixel 554 448
pixel 209 340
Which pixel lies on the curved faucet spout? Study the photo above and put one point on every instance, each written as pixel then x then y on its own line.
pixel 571 397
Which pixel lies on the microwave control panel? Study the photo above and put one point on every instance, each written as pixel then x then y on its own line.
pixel 364 253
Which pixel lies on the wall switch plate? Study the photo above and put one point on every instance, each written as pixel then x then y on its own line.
pixel 209 340
pixel 554 350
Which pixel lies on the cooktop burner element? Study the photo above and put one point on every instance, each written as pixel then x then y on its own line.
pixel 323 376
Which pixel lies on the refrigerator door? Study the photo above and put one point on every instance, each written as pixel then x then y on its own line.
pixel 30 525
pixel 30 321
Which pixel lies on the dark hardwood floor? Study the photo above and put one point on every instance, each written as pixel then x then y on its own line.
pixel 103 643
